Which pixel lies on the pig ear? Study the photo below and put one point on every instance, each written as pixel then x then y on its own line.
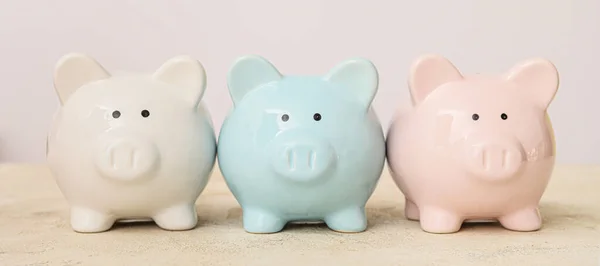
pixel 185 73
pixel 428 73
pixel 358 76
pixel 247 74
pixel 538 78
pixel 73 71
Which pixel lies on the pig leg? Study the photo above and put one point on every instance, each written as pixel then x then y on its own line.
pixel 439 221
pixel 527 219
pixel 177 217
pixel 411 211
pixel 259 221
pixel 349 220
pixel 86 220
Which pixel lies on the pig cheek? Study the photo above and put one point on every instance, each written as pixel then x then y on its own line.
pixel 542 150
pixel 96 121
pixel 443 129
pixel 451 134
pixel 267 129
pixel 536 139
pixel 537 153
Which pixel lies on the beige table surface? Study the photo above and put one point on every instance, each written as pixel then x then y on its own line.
pixel 34 230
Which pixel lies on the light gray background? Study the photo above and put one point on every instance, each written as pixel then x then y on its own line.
pixel 300 37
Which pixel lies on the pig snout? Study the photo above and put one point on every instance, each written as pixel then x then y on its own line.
pixel 302 159
pixel 127 159
pixel 494 159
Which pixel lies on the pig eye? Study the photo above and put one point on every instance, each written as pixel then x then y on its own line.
pixel 475 117
pixel 317 117
pixel 145 113
pixel 503 116
pixel 285 117
pixel 116 114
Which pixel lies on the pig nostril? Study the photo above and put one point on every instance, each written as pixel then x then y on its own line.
pixel 312 156
pixel 302 160
pixel 484 161
pixel 126 159
pixel 134 156
pixel 111 156
pixel 291 159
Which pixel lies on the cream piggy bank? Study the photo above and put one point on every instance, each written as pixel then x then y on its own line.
pixel 130 147
pixel 477 147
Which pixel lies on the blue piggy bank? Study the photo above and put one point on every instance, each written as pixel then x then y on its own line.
pixel 302 148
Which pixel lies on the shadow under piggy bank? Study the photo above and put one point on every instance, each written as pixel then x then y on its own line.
pixel 555 217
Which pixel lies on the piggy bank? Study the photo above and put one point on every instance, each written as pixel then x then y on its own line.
pixel 302 148
pixel 132 146
pixel 474 148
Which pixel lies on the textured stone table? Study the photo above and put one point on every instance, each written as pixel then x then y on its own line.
pixel 34 230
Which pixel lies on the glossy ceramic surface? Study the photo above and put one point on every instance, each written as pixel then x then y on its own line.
pixel 475 147
pixel 302 148
pixel 131 146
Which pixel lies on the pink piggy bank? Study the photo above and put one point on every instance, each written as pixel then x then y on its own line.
pixel 474 148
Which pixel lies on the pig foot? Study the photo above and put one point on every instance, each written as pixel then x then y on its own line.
pixel 411 211
pixel 85 220
pixel 177 218
pixel 350 220
pixel 261 222
pixel 439 221
pixel 523 220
